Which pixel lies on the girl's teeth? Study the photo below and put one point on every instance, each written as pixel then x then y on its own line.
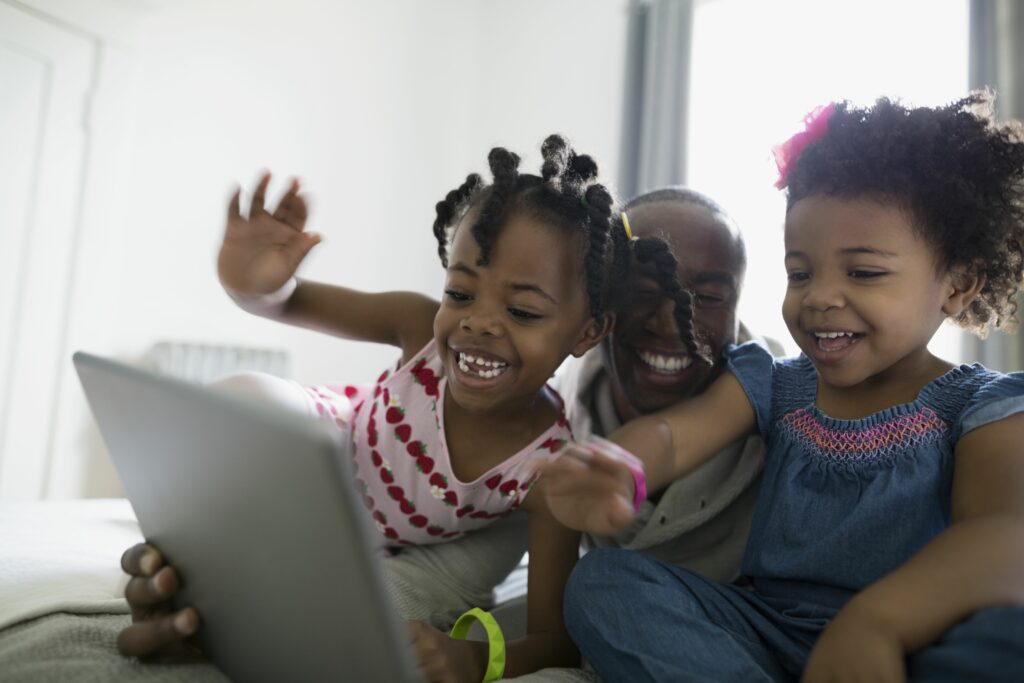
pixel 834 341
pixel 497 366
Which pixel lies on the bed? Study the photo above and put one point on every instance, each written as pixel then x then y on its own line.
pixel 61 595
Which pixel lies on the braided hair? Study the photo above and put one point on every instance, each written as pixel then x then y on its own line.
pixel 566 194
pixel 654 256
pixel 958 174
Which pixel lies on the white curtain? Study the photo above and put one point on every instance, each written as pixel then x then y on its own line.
pixel 654 121
pixel 996 55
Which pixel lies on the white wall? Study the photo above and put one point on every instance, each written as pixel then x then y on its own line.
pixel 381 107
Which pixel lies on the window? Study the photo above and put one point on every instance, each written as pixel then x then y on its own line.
pixel 758 67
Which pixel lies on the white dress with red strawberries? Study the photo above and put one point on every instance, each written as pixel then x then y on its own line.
pixel 400 456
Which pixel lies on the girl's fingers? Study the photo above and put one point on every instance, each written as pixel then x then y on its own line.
pixel 299 211
pixel 561 467
pixel 145 638
pixel 145 591
pixel 574 460
pixel 234 212
pixel 595 444
pixel 424 640
pixel 284 206
pixel 609 465
pixel 415 631
pixel 617 519
pixel 259 196
pixel 141 559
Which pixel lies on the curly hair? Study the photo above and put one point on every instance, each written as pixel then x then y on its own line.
pixel 957 173
pixel 565 194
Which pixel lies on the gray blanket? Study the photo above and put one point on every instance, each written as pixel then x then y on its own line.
pixel 79 648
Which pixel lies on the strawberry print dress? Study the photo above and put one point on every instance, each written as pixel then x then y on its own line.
pixel 400 456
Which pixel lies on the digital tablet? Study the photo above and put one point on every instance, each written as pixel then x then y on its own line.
pixel 257 511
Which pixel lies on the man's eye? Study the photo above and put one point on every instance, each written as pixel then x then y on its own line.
pixel 456 295
pixel 798 276
pixel 708 299
pixel 642 297
pixel 523 315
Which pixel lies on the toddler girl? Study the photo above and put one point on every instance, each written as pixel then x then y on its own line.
pixel 889 535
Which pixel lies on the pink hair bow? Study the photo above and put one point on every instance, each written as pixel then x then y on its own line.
pixel 786 154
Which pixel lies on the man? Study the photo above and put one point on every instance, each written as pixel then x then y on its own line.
pixel 701 521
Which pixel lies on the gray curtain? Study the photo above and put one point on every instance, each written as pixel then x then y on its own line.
pixel 996 60
pixel 654 121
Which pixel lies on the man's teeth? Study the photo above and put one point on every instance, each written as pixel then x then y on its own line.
pixel 665 363
pixel 496 366
pixel 832 335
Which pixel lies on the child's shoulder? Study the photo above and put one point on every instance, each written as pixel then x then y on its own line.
pixel 422 369
pixel 964 384
pixel 754 363
pixel 772 385
pixel 968 396
pixel 426 355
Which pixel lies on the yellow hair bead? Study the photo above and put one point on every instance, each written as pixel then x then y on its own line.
pixel 625 226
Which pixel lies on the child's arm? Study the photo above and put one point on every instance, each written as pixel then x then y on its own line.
pixel 402 319
pixel 553 553
pixel 594 492
pixel 261 253
pixel 977 562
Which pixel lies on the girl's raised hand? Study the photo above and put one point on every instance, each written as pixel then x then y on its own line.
pixel 263 250
pixel 588 490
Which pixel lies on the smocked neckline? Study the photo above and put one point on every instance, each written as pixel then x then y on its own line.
pixel 925 397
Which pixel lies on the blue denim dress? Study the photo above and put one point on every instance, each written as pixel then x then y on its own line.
pixel 842 504
pixel 845 502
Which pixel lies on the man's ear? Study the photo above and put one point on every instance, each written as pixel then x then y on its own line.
pixel 964 287
pixel 596 330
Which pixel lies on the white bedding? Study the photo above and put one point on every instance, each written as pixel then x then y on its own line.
pixel 63 556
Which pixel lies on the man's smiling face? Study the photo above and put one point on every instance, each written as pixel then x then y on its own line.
pixel 651 368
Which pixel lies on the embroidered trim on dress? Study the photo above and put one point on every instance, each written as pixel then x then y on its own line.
pixel 864 444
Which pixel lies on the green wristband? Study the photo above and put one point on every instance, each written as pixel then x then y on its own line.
pixel 495 640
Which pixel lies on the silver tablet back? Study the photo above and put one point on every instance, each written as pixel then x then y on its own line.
pixel 257 511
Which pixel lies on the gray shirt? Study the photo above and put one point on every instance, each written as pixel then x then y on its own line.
pixel 702 520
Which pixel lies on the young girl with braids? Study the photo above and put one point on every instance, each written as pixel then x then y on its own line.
pixel 888 541
pixel 443 441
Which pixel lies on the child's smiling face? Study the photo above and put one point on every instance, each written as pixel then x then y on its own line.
pixel 865 294
pixel 503 329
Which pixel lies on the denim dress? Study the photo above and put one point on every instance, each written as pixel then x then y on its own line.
pixel 842 504
pixel 845 502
